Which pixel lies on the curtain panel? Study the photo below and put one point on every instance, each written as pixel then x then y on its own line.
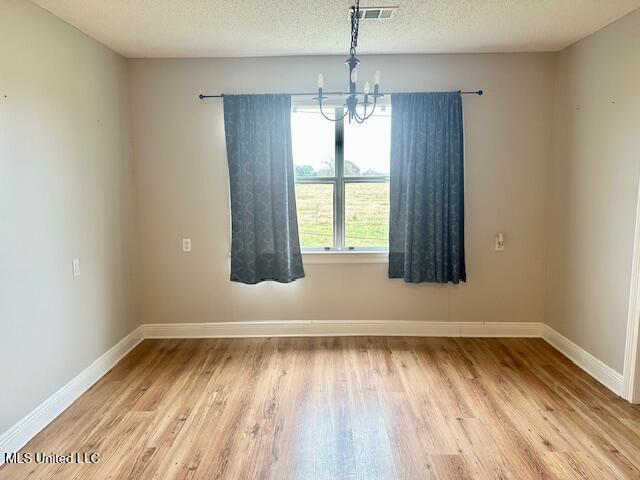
pixel 264 237
pixel 426 234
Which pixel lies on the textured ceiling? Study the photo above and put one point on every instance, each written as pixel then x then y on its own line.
pixel 217 28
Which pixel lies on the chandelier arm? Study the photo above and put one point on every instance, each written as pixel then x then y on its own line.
pixel 356 115
pixel 371 112
pixel 373 109
pixel 364 112
pixel 337 119
pixel 375 104
pixel 366 116
pixel 375 101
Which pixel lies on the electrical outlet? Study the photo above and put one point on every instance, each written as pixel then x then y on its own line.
pixel 75 264
pixel 186 245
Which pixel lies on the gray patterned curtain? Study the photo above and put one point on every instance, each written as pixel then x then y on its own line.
pixel 426 235
pixel 264 237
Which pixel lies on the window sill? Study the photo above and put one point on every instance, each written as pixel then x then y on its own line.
pixel 345 257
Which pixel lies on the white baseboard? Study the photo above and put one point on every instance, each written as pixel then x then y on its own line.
pixel 333 328
pixel 17 436
pixel 587 362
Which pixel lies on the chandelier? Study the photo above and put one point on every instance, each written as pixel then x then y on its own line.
pixel 365 101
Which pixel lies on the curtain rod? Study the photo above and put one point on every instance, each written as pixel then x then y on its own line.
pixel 202 96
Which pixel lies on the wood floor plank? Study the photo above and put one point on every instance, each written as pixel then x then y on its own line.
pixel 361 408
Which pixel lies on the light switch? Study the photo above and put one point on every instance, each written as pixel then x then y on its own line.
pixel 186 244
pixel 499 242
pixel 76 267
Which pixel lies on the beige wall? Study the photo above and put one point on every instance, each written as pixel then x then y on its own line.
pixel 182 190
pixel 65 192
pixel 593 188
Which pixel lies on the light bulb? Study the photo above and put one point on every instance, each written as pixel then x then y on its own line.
pixel 354 75
pixel 320 81
pixel 376 78
pixel 366 88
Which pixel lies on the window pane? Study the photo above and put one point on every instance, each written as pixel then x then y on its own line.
pixel 314 202
pixel 313 143
pixel 366 214
pixel 367 146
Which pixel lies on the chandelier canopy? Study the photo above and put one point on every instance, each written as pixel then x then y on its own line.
pixel 359 105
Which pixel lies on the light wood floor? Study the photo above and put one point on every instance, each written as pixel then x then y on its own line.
pixel 344 408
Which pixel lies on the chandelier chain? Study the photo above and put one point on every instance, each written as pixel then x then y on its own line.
pixel 355 23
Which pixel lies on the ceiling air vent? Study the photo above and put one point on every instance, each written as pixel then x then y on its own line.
pixel 377 13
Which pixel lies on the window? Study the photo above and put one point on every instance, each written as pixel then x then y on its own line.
pixel 342 180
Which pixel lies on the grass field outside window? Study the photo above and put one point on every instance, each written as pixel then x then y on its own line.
pixel 342 181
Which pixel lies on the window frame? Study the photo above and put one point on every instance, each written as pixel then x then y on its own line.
pixel 339 182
